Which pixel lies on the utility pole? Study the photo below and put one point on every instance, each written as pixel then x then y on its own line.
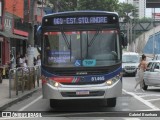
pixel 131 34
pixel 57 6
pixel 128 26
pixel 30 49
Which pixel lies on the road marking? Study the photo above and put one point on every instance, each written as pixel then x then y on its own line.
pixel 131 118
pixel 125 104
pixel 145 110
pixel 22 109
pixel 142 100
pixel 153 99
pixel 126 109
pixel 146 95
pixel 139 93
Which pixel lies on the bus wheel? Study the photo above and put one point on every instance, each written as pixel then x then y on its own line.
pixel 1 79
pixel 144 86
pixel 55 103
pixel 111 102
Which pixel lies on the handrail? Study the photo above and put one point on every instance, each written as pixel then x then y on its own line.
pixel 19 73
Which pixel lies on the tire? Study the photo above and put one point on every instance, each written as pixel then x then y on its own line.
pixel 124 74
pixel 144 86
pixel 111 102
pixel 52 103
pixel 55 103
pixel 1 79
pixel 134 74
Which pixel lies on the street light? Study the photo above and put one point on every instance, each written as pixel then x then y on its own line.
pixel 129 29
pixel 131 20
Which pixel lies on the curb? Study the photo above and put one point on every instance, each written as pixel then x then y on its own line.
pixel 20 98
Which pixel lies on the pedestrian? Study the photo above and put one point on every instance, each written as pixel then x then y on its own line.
pixel 141 69
pixel 17 60
pixel 11 64
pixel 38 61
pixel 24 65
pixel 21 60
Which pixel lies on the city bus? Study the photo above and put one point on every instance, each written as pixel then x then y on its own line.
pixel 81 55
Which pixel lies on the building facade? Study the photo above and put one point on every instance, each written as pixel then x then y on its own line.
pixel 140 5
pixel 15 25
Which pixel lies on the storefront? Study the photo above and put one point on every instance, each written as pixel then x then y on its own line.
pixel 10 43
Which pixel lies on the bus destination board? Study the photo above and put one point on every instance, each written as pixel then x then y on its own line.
pixel 80 20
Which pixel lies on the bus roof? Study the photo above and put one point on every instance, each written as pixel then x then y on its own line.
pixel 81 12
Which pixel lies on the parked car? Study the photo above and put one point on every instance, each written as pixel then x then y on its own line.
pixel 152 74
pixel 130 62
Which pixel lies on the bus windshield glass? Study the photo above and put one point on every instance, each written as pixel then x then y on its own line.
pixel 81 48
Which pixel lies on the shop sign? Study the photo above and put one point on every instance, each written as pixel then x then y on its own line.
pixel 7 24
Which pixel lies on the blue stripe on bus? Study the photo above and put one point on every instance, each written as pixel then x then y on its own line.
pixel 89 78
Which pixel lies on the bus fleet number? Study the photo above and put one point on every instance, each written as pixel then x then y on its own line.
pixel 98 78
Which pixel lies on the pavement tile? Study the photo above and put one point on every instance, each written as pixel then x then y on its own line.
pixel 5 101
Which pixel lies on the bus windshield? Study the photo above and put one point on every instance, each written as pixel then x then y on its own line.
pixel 81 48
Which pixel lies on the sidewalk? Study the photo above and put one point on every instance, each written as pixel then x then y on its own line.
pixel 5 101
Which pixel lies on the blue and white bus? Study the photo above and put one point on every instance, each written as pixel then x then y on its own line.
pixel 81 56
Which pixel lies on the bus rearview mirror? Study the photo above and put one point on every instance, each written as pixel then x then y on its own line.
pixel 37 35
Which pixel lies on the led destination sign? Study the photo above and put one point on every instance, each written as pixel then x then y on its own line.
pixel 79 20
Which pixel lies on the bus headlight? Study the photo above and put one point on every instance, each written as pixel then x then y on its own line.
pixel 109 82
pixel 113 80
pixel 54 83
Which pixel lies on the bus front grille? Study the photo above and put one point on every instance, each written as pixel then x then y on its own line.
pixel 78 73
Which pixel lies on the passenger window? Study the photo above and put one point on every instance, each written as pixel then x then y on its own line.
pixel 149 66
pixel 157 66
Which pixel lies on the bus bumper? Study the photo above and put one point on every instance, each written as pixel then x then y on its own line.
pixel 98 91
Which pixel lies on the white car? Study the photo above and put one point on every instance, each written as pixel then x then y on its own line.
pixel 152 74
pixel 130 62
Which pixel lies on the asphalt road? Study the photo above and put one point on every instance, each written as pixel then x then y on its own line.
pixel 129 106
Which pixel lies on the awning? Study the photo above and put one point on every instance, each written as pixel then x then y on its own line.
pixel 10 35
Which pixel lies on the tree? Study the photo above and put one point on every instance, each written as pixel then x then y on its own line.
pixel 63 5
pixel 123 9
pixel 108 5
pixel 145 20
pixel 71 5
pixel 126 10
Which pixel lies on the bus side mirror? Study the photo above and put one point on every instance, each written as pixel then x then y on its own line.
pixel 123 39
pixel 37 35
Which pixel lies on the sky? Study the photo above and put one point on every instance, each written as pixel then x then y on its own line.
pixel 148 10
pixel 121 0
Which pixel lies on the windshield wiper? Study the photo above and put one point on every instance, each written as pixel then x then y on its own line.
pixel 65 39
pixel 67 43
pixel 94 37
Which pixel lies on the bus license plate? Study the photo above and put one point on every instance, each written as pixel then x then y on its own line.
pixel 82 92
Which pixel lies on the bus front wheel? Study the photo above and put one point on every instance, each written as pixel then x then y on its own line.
pixel 54 103
pixel 111 102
